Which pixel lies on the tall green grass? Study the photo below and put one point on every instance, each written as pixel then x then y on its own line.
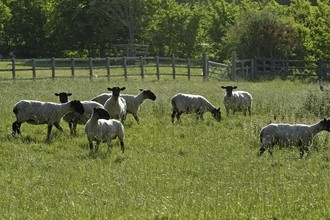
pixel 192 170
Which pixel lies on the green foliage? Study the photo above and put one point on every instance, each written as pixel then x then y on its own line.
pixel 192 170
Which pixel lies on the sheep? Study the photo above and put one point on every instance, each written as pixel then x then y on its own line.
pixel 133 102
pixel 116 105
pixel 188 103
pixel 291 135
pixel 73 118
pixel 237 101
pixel 37 112
pixel 100 128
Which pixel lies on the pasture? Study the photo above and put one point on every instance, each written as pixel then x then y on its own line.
pixel 192 170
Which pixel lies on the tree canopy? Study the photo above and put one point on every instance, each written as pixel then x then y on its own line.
pixel 90 28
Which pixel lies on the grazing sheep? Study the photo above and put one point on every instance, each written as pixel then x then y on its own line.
pixel 36 112
pixel 100 128
pixel 73 118
pixel 187 103
pixel 237 101
pixel 291 135
pixel 116 105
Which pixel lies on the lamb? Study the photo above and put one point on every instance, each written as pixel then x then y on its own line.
pixel 100 128
pixel 237 101
pixel 116 105
pixel 133 102
pixel 291 135
pixel 37 112
pixel 187 103
pixel 73 118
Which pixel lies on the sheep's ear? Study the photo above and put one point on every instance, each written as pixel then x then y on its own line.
pixel 141 90
pixel 57 94
pixel 223 87
pixel 325 120
pixel 122 88
pixel 110 89
pixel 69 94
pixel 234 87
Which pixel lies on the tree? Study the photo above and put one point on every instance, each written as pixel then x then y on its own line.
pixel 5 16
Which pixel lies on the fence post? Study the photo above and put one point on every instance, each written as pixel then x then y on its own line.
pixel 53 67
pixel 34 69
pixel 108 68
pixel 13 68
pixel 188 62
pixel 252 68
pixel 205 67
pixel 233 65
pixel 157 67
pixel 142 67
pixel 125 68
pixel 72 68
pixel 173 67
pixel 90 68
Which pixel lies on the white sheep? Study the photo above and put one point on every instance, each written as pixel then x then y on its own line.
pixel 133 101
pixel 73 118
pixel 116 105
pixel 36 112
pixel 237 101
pixel 100 128
pixel 188 103
pixel 285 135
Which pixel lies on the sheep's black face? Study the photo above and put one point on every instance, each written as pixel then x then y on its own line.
pixel 217 114
pixel 326 124
pixel 77 106
pixel 64 97
pixel 229 90
pixel 149 94
pixel 116 90
pixel 102 113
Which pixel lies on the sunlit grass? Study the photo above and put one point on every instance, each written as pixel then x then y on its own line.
pixel 192 170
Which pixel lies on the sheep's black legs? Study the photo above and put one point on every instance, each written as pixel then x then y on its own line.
pixel 173 116
pixel 58 126
pixel 122 146
pixel 261 150
pixel 137 119
pixel 16 128
pixel 49 130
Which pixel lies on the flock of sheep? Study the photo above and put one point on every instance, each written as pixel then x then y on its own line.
pixel 105 115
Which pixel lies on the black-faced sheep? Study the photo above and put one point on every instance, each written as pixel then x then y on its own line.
pixel 237 101
pixel 133 102
pixel 73 118
pixel 187 103
pixel 116 105
pixel 300 135
pixel 36 112
pixel 100 128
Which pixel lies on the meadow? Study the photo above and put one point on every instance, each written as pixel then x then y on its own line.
pixel 193 170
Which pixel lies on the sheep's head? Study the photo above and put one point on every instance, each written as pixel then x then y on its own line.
pixel 101 113
pixel 77 106
pixel 229 90
pixel 325 124
pixel 64 97
pixel 116 90
pixel 216 114
pixel 148 94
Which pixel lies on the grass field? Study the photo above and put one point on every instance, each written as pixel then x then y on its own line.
pixel 192 170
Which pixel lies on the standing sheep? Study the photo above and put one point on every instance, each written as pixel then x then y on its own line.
pixel 237 101
pixel 100 128
pixel 73 118
pixel 133 101
pixel 36 112
pixel 300 135
pixel 187 103
pixel 116 105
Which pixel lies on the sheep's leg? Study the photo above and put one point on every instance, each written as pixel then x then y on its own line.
pixel 137 119
pixel 178 116
pixel 49 130
pixel 303 150
pixel 97 146
pixel 16 128
pixel 262 150
pixel 227 111
pixel 122 146
pixel 173 116
pixel 58 126
pixel 74 130
pixel 249 109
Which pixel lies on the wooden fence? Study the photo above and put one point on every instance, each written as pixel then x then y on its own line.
pixel 27 69
pixel 266 67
